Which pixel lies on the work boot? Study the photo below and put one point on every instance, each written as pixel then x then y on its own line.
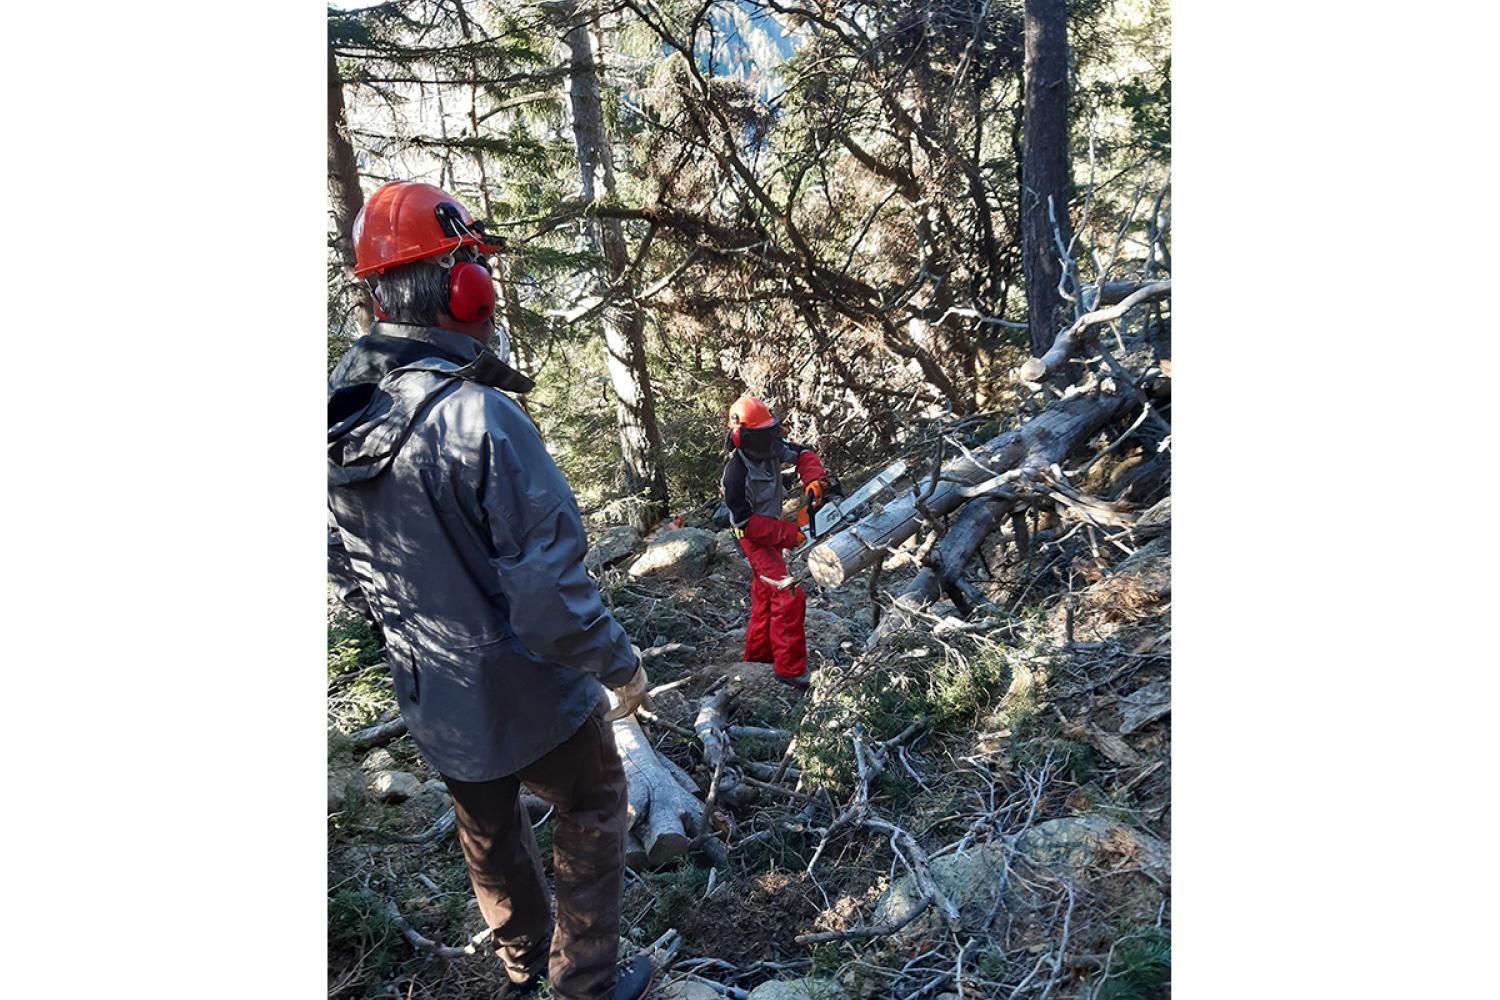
pixel 634 981
pixel 799 682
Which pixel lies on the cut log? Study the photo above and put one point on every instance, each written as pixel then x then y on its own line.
pixel 1036 444
pixel 635 852
pixel 664 816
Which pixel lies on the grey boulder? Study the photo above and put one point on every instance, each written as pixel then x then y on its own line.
pixel 431 798
pixel 730 556
pixel 379 759
pixel 676 554
pixel 394 786
pixel 346 788
pixel 615 545
pixel 799 989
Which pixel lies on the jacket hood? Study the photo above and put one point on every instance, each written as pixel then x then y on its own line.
pixel 375 394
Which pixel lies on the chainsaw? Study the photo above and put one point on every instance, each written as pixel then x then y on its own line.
pixel 825 514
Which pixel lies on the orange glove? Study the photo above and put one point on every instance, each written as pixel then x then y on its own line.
pixel 800 539
pixel 813 490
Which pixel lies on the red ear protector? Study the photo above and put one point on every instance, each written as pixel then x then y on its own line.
pixel 734 435
pixel 471 293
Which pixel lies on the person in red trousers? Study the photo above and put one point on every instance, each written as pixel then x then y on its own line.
pixel 753 492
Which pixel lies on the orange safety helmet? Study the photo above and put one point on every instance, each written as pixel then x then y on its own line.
pixel 406 220
pixel 750 414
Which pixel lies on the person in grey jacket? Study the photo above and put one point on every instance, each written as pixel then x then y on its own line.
pixel 454 531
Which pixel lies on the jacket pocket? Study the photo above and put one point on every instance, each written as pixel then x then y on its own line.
pixel 443 635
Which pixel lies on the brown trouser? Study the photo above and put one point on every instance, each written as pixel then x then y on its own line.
pixel 584 780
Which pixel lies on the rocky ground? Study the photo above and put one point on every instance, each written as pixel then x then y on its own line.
pixel 974 806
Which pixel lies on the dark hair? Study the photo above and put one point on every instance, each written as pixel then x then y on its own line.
pixel 414 293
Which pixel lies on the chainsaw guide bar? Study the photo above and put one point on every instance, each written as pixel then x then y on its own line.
pixel 833 513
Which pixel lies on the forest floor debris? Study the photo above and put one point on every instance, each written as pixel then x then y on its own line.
pixel 1029 747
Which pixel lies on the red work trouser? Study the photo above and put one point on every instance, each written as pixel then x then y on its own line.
pixel 775 634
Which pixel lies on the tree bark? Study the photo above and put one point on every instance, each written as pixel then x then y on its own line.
pixel 344 194
pixel 1038 443
pixel 625 353
pixel 1044 165
pixel 664 816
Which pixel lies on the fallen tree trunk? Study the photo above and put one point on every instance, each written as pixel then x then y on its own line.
pixel 664 816
pixel 965 536
pixel 958 546
pixel 1036 444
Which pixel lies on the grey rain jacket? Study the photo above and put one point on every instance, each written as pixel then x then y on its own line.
pixel 452 522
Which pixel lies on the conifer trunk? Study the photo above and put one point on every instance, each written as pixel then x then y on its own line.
pixel 344 195
pixel 635 408
pixel 1044 165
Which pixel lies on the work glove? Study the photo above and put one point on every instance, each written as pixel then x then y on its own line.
pixel 631 695
pixel 813 491
pixel 799 539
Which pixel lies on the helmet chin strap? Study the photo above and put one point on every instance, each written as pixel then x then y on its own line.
pixel 500 343
pixel 374 286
